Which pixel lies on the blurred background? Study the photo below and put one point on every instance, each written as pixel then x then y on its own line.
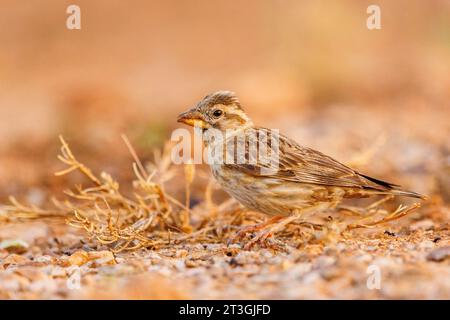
pixel 376 98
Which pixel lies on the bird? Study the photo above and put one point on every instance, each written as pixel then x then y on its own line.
pixel 300 181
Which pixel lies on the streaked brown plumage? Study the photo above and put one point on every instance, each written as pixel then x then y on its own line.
pixel 301 180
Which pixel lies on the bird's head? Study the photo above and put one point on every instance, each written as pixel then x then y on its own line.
pixel 220 110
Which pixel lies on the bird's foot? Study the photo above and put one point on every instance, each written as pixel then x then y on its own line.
pixel 266 231
pixel 241 234
pixel 244 231
pixel 264 239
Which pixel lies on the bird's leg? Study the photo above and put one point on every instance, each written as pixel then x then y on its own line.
pixel 269 230
pixel 253 228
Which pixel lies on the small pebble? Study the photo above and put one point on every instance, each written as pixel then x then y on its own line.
pixel 439 254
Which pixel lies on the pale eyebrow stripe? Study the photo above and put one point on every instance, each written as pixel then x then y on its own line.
pixel 236 115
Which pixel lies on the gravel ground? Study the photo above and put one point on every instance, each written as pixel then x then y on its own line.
pixel 52 261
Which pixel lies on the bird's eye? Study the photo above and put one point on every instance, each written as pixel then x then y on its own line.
pixel 217 113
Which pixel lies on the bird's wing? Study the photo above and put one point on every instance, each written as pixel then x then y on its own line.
pixel 305 165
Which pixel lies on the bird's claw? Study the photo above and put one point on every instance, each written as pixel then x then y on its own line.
pixel 261 238
pixel 264 231
pixel 241 234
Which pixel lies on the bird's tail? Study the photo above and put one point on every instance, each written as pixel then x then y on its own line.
pixel 406 193
pixel 395 189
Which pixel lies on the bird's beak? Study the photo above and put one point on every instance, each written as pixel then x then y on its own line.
pixel 192 118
